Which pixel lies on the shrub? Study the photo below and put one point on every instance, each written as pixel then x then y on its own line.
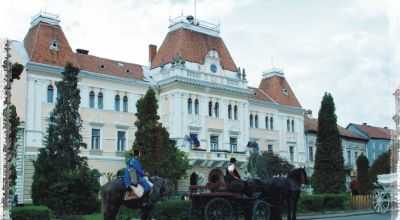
pixel 171 209
pixel 31 213
pixel 321 202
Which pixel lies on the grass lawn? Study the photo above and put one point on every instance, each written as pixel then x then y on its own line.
pixel 97 216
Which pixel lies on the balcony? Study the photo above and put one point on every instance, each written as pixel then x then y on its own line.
pixel 194 121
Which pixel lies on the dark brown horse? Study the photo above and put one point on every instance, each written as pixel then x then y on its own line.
pixel 112 196
pixel 282 191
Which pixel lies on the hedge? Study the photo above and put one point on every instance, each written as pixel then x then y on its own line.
pixel 322 202
pixel 171 209
pixel 31 213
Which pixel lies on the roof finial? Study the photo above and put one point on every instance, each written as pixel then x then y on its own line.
pixel 195 10
pixel 272 62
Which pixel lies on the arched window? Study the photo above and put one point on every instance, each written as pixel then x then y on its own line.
pixel 288 125
pixel 216 109
pixel 189 106
pixel 266 122
pixel 271 123
pixel 91 99
pixel 292 125
pixel 230 111
pixel 210 108
pixel 100 100
pixel 196 107
pixel 256 121
pixel 235 112
pixel 116 103
pixel 125 104
pixel 251 120
pixel 50 92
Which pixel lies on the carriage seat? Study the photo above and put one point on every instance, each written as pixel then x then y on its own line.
pixel 217 186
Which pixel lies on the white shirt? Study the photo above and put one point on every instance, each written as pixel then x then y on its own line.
pixel 231 167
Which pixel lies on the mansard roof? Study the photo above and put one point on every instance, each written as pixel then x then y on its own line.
pixel 374 132
pixel 193 46
pixel 39 38
pixel 311 125
pixel 37 43
pixel 279 91
pixel 109 67
pixel 259 95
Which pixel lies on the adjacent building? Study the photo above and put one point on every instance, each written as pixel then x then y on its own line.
pixel 353 145
pixel 396 139
pixel 204 100
pixel 379 139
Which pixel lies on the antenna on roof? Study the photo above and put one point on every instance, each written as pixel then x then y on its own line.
pixel 195 11
pixel 272 61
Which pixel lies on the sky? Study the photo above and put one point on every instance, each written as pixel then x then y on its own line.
pixel 348 48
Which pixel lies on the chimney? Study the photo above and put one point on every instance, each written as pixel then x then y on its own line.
pixel 152 52
pixel 364 123
pixel 82 51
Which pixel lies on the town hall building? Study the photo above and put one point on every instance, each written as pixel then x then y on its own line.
pixel 203 96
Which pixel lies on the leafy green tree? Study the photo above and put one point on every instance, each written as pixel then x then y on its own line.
pixel 160 157
pixel 380 166
pixel 362 174
pixel 329 176
pixel 14 123
pixel 62 179
pixel 270 164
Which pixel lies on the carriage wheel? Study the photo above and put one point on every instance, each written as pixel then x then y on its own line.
pixel 261 211
pixel 380 201
pixel 218 208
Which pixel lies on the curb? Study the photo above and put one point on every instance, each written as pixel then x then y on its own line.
pixel 334 215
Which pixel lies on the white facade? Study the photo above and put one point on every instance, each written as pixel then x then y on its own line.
pixel 174 84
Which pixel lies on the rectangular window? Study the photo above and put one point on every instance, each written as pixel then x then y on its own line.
pixel 291 151
pixel 121 144
pixel 233 144
pixel 355 157
pixel 95 139
pixel 270 148
pixel 214 142
pixel 311 153
pixel 348 157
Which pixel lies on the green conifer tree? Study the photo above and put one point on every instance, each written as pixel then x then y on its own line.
pixel 62 180
pixel 159 155
pixel 380 166
pixel 362 174
pixel 329 176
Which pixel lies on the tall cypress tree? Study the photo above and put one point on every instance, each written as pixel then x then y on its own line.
pixel 62 180
pixel 329 176
pixel 160 157
pixel 362 174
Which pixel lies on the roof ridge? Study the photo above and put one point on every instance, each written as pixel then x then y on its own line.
pixel 35 42
pixel 107 59
pixel 267 96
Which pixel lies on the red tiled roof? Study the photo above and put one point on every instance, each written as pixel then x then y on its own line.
pixel 37 44
pixel 311 125
pixel 193 46
pixel 259 95
pixel 274 86
pixel 375 132
pixel 111 67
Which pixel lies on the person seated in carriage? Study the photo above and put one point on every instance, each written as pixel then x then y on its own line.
pixel 232 177
pixel 134 175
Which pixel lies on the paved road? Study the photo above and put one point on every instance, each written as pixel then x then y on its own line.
pixel 386 216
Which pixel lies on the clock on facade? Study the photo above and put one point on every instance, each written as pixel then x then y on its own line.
pixel 213 68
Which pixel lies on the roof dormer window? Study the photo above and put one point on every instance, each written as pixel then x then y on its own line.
pixel 102 66
pixel 285 91
pixel 54 45
pixel 127 71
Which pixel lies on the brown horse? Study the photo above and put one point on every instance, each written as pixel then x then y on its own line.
pixel 112 196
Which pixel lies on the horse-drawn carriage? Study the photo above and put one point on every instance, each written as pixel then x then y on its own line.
pixel 257 199
pixel 384 194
